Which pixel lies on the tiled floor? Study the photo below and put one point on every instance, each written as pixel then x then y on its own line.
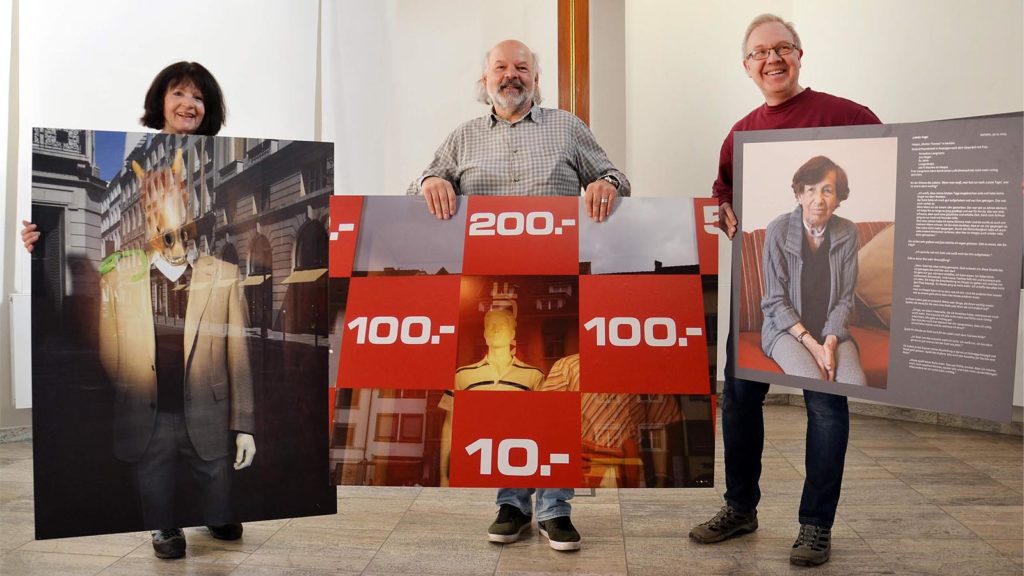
pixel 917 499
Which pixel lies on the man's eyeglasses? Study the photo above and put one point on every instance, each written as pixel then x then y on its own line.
pixel 781 50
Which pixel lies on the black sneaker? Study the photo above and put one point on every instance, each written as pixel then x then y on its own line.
pixel 226 532
pixel 727 523
pixel 169 543
pixel 510 523
pixel 812 546
pixel 561 534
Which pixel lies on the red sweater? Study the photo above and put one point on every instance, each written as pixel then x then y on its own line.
pixel 808 109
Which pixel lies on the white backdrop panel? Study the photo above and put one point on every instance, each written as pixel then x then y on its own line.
pixel 399 75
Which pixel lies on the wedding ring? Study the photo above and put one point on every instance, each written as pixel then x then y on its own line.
pixel 604 200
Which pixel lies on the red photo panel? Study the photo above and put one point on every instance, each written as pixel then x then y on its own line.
pixel 522 235
pixel 493 448
pixel 706 214
pixel 400 332
pixel 344 230
pixel 643 334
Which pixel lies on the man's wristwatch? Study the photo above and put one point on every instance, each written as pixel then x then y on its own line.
pixel 612 180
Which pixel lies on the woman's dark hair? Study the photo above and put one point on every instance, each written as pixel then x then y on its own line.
pixel 815 170
pixel 188 73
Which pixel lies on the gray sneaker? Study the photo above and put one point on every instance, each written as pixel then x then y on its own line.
pixel 728 523
pixel 168 543
pixel 561 534
pixel 812 546
pixel 510 523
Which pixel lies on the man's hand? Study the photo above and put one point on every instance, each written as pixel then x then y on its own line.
pixel 727 221
pixel 245 450
pixel 440 196
pixel 598 198
pixel 29 235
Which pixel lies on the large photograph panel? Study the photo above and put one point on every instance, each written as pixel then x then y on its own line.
pixel 181 292
pixel 920 282
pixel 398 327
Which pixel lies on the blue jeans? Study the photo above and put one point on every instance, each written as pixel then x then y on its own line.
pixel 551 502
pixel 828 430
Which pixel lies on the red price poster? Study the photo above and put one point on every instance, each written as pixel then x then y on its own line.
pixel 400 332
pixel 491 448
pixel 343 233
pixel 643 334
pixel 706 213
pixel 522 235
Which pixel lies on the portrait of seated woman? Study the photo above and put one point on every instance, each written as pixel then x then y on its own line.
pixel 810 273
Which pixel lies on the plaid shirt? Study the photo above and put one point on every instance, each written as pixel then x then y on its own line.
pixel 548 152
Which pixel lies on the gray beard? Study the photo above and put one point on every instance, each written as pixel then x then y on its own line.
pixel 514 102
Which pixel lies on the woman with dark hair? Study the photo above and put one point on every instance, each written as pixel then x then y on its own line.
pixel 184 98
pixel 810 270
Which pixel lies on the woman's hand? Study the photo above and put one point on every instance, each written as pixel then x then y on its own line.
pixel 29 235
pixel 824 355
pixel 829 357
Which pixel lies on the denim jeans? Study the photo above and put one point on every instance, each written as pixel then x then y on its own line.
pixel 551 502
pixel 828 430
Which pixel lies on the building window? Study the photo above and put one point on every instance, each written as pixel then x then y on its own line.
pixel 654 439
pixel 388 393
pixel 344 435
pixel 411 429
pixel 387 428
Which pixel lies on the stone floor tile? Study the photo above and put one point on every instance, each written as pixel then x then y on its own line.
pixel 873 491
pixel 991 522
pixel 848 556
pixel 674 556
pixel 1011 549
pixel 533 556
pixel 316 548
pixel 967 491
pixel 16 529
pixel 896 521
pixel 943 556
pixel 27 563
pixel 435 554
pixel 136 565
pixel 116 545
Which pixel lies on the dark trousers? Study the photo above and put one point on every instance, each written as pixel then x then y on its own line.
pixel 157 474
pixel 828 430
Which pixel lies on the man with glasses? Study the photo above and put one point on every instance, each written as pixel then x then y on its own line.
pixel 771 57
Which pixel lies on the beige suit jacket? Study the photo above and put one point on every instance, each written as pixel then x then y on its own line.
pixel 218 375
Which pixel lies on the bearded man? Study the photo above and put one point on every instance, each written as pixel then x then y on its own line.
pixel 521 149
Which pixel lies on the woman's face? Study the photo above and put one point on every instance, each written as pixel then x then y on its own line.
pixel 183 109
pixel 819 201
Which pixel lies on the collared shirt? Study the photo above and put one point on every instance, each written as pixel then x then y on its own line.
pixel 547 152
pixel 485 376
pixel 610 420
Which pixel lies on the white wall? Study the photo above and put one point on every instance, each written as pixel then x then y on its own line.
pixel 88 65
pixel 399 75
pixel 908 60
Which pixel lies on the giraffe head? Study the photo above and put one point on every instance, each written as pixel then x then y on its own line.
pixel 169 227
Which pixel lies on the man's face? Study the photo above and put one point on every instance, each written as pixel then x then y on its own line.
pixel 511 77
pixel 778 77
pixel 498 331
